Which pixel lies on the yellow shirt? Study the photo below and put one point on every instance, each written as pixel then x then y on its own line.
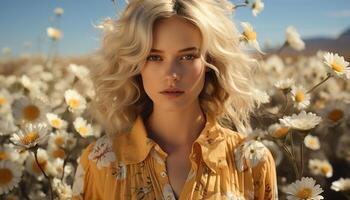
pixel 132 166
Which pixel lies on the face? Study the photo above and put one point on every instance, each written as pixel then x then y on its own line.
pixel 175 50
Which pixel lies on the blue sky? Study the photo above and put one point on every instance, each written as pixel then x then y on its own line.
pixel 23 21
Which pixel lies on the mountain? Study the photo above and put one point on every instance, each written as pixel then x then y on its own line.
pixel 340 45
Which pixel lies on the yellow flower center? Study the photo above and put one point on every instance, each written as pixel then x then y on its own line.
pixel 299 96
pixel 304 193
pixel 250 35
pixel 5 176
pixel 31 112
pixel 325 169
pixel 280 132
pixel 59 140
pixel 83 130
pixel 42 163
pixel 56 123
pixel 312 142
pixel 74 103
pixel 335 115
pixel 3 101
pixel 58 153
pixel 337 67
pixel 3 155
pixel 29 138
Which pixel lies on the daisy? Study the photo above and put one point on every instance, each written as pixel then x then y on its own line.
pixel 55 151
pixel 257 7
pixel 82 127
pixel 284 84
pixel 57 167
pixel 303 121
pixel 342 184
pixel 335 112
pixel 300 97
pixel 249 35
pixel 102 152
pixel 337 65
pixel 56 121
pixel 29 110
pixel 7 124
pixel 10 176
pixel 63 190
pixel 251 152
pixel 43 159
pixel 58 11
pixel 5 101
pixel 54 33
pixel 62 139
pixel 293 39
pixel 312 142
pixel 304 189
pixel 261 96
pixel 75 101
pixel 79 71
pixel 321 167
pixel 31 135
pixel 7 153
pixel 276 130
pixel 273 63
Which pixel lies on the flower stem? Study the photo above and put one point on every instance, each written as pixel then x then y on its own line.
pixel 290 157
pixel 48 178
pixel 324 80
pixel 301 156
pixel 286 104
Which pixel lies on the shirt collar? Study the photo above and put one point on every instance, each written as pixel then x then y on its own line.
pixel 134 147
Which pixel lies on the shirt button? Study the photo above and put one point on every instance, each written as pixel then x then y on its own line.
pixel 163 174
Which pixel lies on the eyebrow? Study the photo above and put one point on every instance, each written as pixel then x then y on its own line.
pixel 182 50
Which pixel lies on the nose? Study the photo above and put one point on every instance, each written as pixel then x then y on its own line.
pixel 172 74
pixel 172 79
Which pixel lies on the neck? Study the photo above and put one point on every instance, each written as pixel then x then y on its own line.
pixel 175 130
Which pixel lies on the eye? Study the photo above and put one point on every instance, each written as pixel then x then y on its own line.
pixel 189 57
pixel 153 58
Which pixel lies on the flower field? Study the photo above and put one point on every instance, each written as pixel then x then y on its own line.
pixel 46 118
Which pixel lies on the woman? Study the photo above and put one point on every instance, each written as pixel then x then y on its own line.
pixel 174 96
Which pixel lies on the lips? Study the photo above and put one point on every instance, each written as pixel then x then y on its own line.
pixel 172 90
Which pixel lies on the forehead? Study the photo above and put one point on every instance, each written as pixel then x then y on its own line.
pixel 175 33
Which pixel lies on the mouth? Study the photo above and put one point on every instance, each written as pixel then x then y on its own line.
pixel 172 93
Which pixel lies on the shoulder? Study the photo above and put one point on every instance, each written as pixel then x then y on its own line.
pixel 98 154
pixel 247 152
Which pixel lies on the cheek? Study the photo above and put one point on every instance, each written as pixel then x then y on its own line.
pixel 149 79
pixel 196 71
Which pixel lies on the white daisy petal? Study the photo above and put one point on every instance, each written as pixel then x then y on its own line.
pixel 337 65
pixel 10 176
pixel 303 121
pixel 304 189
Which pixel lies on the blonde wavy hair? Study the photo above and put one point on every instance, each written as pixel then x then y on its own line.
pixel 228 90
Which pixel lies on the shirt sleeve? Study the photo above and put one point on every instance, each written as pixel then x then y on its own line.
pixel 82 175
pixel 265 179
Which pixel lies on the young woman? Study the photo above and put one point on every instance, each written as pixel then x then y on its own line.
pixel 174 96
